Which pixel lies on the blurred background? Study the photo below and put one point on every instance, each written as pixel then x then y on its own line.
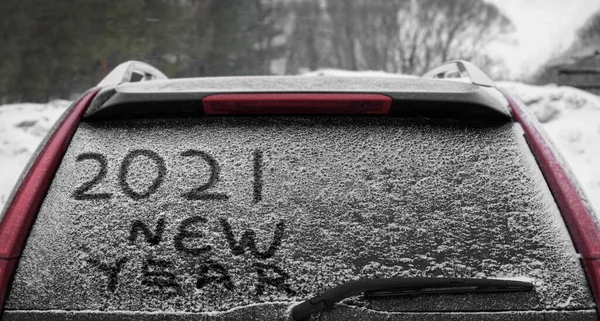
pixel 545 51
pixel 54 49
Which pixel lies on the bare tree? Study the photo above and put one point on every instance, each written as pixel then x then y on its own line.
pixel 406 36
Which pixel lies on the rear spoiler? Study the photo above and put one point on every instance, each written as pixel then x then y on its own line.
pixel 464 70
pixel 131 71
pixel 136 90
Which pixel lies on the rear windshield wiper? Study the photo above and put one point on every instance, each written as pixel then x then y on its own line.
pixel 403 286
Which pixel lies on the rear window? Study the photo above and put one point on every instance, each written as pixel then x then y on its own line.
pixel 212 214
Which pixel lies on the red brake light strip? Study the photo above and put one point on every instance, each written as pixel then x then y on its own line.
pixel 296 103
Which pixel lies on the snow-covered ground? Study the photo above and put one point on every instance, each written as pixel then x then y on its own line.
pixel 22 127
pixel 571 118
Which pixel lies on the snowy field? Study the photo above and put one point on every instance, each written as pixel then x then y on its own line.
pixel 570 116
pixel 22 128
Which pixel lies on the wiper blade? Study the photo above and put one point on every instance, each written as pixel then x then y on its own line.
pixel 403 286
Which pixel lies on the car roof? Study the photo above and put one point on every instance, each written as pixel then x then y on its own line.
pixel 300 83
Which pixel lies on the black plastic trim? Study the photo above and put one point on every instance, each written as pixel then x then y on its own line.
pixel 276 315
pixel 474 105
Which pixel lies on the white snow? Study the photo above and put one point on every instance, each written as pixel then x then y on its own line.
pixel 348 185
pixel 571 118
pixel 22 127
pixel 352 73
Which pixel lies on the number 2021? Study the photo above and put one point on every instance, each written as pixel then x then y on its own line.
pixel 199 193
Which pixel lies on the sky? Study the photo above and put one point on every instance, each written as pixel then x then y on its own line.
pixel 543 27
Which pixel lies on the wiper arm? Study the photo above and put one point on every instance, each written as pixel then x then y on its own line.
pixel 403 286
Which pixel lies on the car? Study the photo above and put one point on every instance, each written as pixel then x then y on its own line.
pixel 298 198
